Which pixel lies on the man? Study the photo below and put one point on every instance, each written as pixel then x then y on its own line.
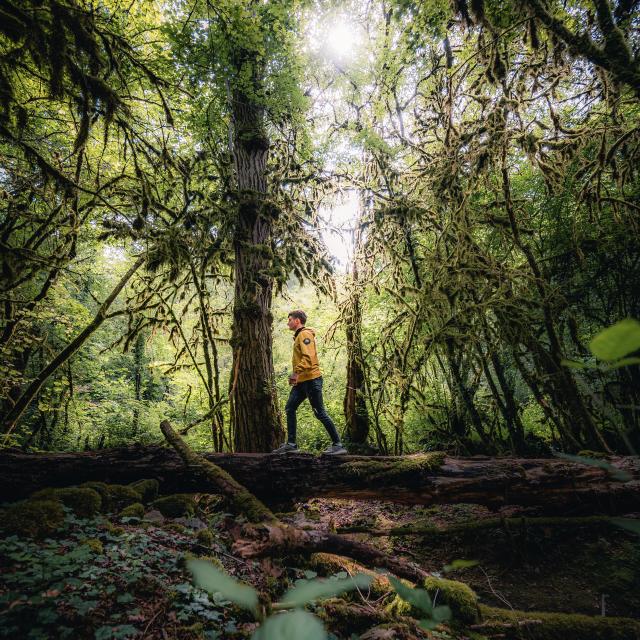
pixel 306 382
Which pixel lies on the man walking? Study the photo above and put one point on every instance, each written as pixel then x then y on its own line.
pixel 306 382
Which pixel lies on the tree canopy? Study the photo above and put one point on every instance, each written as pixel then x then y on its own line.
pixel 168 178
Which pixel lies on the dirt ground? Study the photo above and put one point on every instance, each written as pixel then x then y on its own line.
pixel 543 568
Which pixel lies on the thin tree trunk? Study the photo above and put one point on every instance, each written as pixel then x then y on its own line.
pixel 355 404
pixel 11 418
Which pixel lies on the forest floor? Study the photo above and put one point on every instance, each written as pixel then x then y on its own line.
pixel 560 569
pixel 123 576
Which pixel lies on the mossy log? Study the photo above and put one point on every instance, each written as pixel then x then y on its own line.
pixel 536 625
pixel 266 535
pixel 553 485
pixel 472 527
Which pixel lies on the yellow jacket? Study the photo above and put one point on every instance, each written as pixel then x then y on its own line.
pixel 305 357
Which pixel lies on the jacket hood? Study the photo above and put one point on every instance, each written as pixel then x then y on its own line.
pixel 302 329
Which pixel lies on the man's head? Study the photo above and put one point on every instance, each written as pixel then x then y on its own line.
pixel 296 319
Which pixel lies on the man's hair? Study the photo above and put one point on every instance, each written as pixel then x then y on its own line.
pixel 300 314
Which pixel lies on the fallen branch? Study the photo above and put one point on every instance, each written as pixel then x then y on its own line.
pixel 266 535
pixel 472 527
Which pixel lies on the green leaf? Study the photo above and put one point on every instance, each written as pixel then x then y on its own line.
pixel 460 564
pixel 419 598
pixel 628 524
pixel 125 598
pixel 625 362
pixel 312 590
pixel 211 579
pixel 573 364
pixel 428 624
pixel 292 625
pixel 616 473
pixel 441 613
pixel 616 341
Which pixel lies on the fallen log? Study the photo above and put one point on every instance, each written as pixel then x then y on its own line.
pixel 554 485
pixel 266 535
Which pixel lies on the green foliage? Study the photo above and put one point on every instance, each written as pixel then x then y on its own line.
pixel 92 579
pixel 617 341
pixel 308 591
pixel 618 474
pixel 211 579
pixel 291 625
pixel 421 604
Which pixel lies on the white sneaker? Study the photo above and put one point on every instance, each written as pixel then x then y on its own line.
pixel 335 450
pixel 284 448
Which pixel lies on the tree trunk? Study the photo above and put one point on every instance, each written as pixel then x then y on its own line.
pixel 138 366
pixel 254 408
pixel 553 485
pixel 355 404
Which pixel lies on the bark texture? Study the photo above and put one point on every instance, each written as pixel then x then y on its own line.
pixel 555 486
pixel 355 404
pixel 254 408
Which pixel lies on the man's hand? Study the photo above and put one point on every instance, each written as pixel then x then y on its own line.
pixel 293 379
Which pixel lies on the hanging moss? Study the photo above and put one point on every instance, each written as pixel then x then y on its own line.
pixel 536 625
pixel 176 505
pixel 83 501
pixel 135 510
pixel 148 489
pixel 33 518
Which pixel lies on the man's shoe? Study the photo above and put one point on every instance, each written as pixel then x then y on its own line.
pixel 284 448
pixel 335 450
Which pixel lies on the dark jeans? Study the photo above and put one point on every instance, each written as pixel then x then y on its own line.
pixel 311 389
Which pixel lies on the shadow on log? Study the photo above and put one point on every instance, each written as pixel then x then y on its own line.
pixel 554 485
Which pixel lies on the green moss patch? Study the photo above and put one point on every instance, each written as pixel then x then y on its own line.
pixel 176 505
pixel 94 544
pixel 148 489
pixel 83 501
pixel 114 496
pixel 395 470
pixel 33 518
pixel 135 510
pixel 205 537
pixel 461 599
pixel 537 625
